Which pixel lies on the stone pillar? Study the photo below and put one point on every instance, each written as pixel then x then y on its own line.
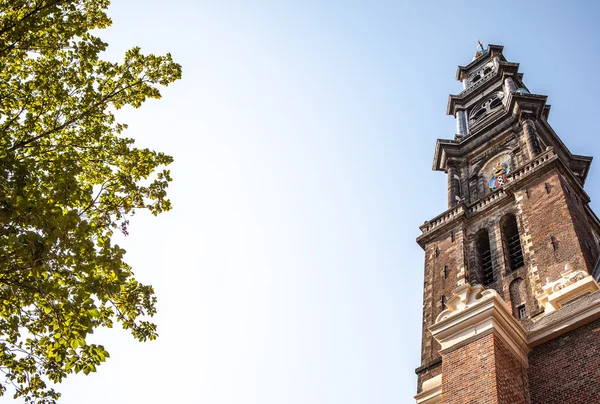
pixel 530 136
pixel 496 61
pixel 484 350
pixel 461 123
pixel 453 183
pixel 465 80
pixel 509 86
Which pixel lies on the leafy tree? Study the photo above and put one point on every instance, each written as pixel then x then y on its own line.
pixel 68 180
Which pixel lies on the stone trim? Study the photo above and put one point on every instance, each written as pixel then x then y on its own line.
pixel 432 391
pixel 429 365
pixel 474 312
pixel 569 287
pixel 554 329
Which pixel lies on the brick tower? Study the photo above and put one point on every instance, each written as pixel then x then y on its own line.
pixel 511 303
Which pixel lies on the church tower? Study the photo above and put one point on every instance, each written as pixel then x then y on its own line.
pixel 511 303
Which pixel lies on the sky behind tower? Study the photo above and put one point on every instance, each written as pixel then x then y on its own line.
pixel 303 136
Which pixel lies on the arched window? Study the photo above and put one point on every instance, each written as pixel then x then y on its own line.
pixel 484 257
pixel 511 241
pixel 491 104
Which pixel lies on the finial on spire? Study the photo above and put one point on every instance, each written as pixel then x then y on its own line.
pixel 480 50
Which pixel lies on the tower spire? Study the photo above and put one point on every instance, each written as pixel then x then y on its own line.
pixel 493 329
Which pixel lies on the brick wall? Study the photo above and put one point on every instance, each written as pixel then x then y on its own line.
pixel 484 372
pixel 582 223
pixel 446 251
pixel 547 218
pixel 567 369
pixel 511 376
pixel 469 374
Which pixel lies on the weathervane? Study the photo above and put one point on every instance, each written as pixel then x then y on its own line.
pixel 480 51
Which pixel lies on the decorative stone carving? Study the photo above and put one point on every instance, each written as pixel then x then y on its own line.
pixel 465 296
pixel 473 312
pixel 570 286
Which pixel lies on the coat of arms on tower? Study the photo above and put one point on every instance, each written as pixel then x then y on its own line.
pixel 499 178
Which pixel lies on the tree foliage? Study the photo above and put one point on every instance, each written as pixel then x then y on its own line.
pixel 68 180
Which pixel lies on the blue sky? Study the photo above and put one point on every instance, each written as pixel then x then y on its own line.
pixel 303 136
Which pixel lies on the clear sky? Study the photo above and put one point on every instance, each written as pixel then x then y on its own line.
pixel 303 134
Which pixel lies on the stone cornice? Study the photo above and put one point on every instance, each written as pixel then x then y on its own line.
pixel 520 177
pixel 474 312
pixel 558 324
pixel 482 133
pixel 432 391
pixel 463 211
pixel 570 286
pixel 460 100
pixel 491 49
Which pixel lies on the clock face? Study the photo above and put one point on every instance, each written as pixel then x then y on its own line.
pixel 499 179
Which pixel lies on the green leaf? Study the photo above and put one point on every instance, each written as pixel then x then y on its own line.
pixel 70 179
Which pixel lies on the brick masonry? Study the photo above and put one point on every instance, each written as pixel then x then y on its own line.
pixel 484 371
pixel 567 369
pixel 556 227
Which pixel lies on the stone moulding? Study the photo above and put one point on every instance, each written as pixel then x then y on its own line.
pixel 584 314
pixel 468 211
pixel 474 312
pixel 432 391
pixel 578 293
pixel 570 286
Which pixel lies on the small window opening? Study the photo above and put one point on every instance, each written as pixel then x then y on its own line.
pixel 443 301
pixel 484 257
pixel 554 243
pixel 452 236
pixel 527 192
pixel 487 70
pixel 475 79
pixel 511 241
pixel 436 252
pixel 547 186
pixel 522 312
pixel 445 271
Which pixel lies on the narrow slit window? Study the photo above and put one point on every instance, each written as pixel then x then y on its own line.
pixel 484 258
pixel 554 243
